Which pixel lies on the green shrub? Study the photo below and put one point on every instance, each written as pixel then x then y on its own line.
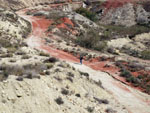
pixel 132 79
pixel 140 77
pixel 25 57
pixel 44 54
pixel 28 13
pixel 87 13
pixel 88 39
pixel 51 60
pixel 64 91
pixel 121 30
pixel 101 46
pixel 6 74
pixel 5 43
pixel 90 109
pixel 125 73
pixel 49 65
pixel 145 54
pixel 59 101
pixel 6 55
pixel 12 49
pixel 91 39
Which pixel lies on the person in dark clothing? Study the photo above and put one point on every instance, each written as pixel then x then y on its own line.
pixel 81 58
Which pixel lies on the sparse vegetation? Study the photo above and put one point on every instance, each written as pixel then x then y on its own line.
pixel 6 55
pixel 25 57
pixel 51 60
pixel 59 101
pixel 77 95
pixel 26 71
pixel 110 110
pixel 70 74
pixel 91 39
pixel 84 74
pixel 110 30
pixel 101 101
pixel 90 109
pixel 70 79
pixel 125 73
pixel 141 80
pixel 145 54
pixel 87 13
pixel 49 65
pixel 64 91
pixel 44 54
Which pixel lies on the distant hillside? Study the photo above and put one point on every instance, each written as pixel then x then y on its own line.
pixel 18 4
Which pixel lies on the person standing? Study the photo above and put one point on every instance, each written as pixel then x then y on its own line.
pixel 81 58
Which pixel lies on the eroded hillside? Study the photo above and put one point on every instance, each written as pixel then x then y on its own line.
pixel 40 72
pixel 19 4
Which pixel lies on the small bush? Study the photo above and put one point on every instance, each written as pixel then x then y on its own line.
pixel 19 78
pixel 99 83
pixel 90 109
pixel 110 110
pixel 44 54
pixel 59 101
pixel 64 91
pixel 88 39
pixel 70 74
pixel 6 55
pixel 101 46
pixel 55 15
pixel 11 49
pixel 49 65
pixel 140 77
pixel 77 95
pixel 38 14
pixel 87 13
pixel 145 54
pixel 101 101
pixel 20 52
pixel 12 60
pixel 29 13
pixel 57 22
pixel 125 73
pixel 84 74
pixel 51 60
pixel 25 57
pixel 5 43
pixel 70 79
pixel 124 31
pixel 132 79
pixel 6 74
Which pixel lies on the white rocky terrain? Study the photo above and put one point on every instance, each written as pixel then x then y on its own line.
pixel 64 90
pixel 38 73
pixel 20 27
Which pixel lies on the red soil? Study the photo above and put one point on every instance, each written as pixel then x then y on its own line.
pixel 41 22
pixel 67 21
pixel 96 64
pixel 40 26
pixel 105 66
pixel 59 54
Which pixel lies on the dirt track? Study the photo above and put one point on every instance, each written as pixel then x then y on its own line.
pixel 134 100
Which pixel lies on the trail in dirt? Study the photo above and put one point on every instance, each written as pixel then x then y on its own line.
pixel 134 100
